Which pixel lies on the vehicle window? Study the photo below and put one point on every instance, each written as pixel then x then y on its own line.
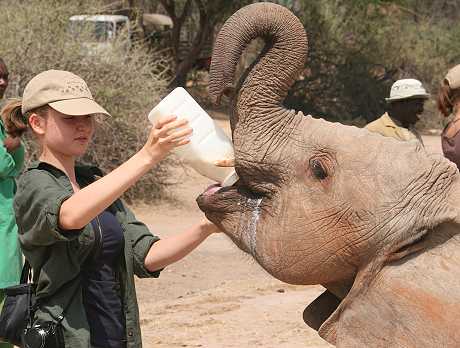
pixel 99 31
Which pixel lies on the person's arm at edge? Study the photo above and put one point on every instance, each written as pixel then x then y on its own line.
pixel 7 163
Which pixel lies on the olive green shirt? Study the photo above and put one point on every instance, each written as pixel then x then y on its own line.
pixel 57 256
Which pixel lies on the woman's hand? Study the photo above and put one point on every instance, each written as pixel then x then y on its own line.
pixel 11 144
pixel 166 134
pixel 208 227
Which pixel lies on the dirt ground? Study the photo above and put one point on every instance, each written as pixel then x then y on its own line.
pixel 218 297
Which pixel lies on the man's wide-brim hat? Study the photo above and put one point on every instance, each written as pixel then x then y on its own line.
pixel 63 91
pixel 407 89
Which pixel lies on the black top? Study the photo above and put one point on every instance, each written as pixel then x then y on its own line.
pixel 101 287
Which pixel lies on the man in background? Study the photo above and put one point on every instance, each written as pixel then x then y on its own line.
pixel 4 75
pixel 405 105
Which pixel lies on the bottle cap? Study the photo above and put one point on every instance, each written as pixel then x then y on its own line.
pixel 230 179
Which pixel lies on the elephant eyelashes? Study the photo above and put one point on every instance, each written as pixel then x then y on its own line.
pixel 317 169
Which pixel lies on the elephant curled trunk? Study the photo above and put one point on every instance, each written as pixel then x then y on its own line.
pixel 276 68
pixel 261 126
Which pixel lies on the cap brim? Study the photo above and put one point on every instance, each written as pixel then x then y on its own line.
pixel 454 82
pixel 78 107
pixel 419 96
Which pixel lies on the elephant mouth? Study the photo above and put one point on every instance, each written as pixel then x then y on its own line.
pixel 212 189
pixel 216 201
pixel 221 206
pixel 234 209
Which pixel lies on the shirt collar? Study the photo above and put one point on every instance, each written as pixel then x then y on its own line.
pixel 389 122
pixel 80 170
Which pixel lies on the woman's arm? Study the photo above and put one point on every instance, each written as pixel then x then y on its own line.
pixel 171 249
pixel 83 206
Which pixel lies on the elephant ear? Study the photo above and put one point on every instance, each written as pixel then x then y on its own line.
pixel 412 302
pixel 320 309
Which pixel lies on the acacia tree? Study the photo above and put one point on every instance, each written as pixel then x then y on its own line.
pixel 209 13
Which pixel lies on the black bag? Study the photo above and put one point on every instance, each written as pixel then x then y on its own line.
pixel 46 335
pixel 18 308
pixel 17 317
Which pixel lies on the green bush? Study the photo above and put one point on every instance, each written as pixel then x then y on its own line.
pixel 128 83
pixel 357 49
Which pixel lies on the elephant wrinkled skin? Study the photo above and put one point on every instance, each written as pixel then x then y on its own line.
pixel 372 219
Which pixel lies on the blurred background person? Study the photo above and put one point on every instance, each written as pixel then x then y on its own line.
pixel 11 162
pixel 448 104
pixel 4 74
pixel 405 105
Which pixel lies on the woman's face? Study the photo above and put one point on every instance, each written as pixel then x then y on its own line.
pixel 67 135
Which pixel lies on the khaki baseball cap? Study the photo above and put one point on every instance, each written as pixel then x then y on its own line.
pixel 63 91
pixel 407 89
pixel 453 77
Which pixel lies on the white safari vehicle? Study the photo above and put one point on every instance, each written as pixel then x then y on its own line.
pixel 101 31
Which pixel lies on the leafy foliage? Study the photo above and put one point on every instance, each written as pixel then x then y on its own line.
pixel 199 18
pixel 359 48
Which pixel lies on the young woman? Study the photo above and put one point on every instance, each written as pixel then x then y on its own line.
pixel 83 243
pixel 449 104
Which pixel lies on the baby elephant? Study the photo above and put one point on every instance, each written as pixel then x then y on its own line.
pixel 373 220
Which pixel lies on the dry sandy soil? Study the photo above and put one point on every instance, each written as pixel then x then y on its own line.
pixel 218 297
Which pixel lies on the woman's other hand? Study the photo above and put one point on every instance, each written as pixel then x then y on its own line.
pixel 208 227
pixel 166 134
pixel 11 144
pixel 173 248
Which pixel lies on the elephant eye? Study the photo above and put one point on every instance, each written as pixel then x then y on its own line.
pixel 317 169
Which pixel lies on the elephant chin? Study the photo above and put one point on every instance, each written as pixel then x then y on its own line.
pixel 234 210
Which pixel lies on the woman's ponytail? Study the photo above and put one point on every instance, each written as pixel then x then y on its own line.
pixel 13 119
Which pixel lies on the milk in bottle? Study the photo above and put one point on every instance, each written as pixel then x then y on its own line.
pixel 208 142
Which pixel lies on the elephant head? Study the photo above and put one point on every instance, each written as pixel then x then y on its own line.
pixel 318 202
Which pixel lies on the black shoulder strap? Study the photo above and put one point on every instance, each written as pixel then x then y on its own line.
pixel 26 273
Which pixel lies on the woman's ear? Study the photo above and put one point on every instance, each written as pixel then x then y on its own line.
pixel 37 123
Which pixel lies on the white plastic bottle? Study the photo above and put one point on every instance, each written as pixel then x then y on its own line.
pixel 208 142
